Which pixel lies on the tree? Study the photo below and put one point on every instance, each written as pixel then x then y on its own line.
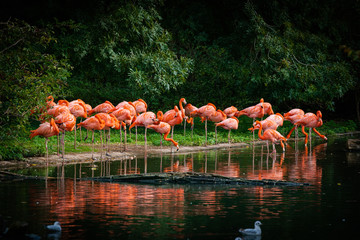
pixel 122 53
pixel 296 67
pixel 28 73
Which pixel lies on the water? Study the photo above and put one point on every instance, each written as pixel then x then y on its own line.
pixel 328 209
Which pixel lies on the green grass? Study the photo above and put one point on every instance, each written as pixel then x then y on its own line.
pixel 22 147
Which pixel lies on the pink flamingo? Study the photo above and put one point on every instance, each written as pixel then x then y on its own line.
pixel 218 116
pixel 164 129
pixel 144 120
pixel 294 116
pixel 93 123
pixel 204 112
pixel 46 130
pixel 231 123
pixel 311 121
pixel 271 135
pixel 175 116
pixel 188 109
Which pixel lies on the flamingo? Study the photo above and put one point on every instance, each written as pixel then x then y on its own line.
pixel 92 123
pixel 228 124
pixel 140 106
pixel 123 115
pixel 78 109
pixel 132 109
pixel 102 108
pixel 175 116
pixel 267 107
pixel 294 115
pixel 145 119
pixel 311 121
pixel 66 122
pixel 46 129
pixel 204 112
pixel 188 109
pixel 271 135
pixel 110 122
pixel 164 129
pixel 253 112
pixel 230 111
pixel 88 109
pixel 218 116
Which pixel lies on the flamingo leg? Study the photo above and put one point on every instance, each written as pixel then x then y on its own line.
pixel 75 139
pixel 274 149
pixel 120 138
pixel 161 136
pixel 145 137
pixel 125 140
pixel 205 131
pixel 192 130
pixel 136 135
pixel 107 143
pixel 80 131
pixel 63 144
pixel 58 145
pixel 215 135
pixel 229 140
pixel 282 145
pixel 184 128
pixel 322 136
pixel 172 132
pixel 306 135
pixel 310 134
pixel 92 139
pixel 289 134
pixel 47 152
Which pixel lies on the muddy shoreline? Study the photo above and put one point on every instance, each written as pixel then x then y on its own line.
pixel 133 151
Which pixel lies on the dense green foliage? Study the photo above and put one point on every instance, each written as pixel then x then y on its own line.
pixel 29 73
pixel 292 53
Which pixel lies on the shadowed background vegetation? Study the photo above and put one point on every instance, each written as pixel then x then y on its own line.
pixel 292 53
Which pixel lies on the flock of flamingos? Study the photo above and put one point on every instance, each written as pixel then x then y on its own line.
pixel 63 118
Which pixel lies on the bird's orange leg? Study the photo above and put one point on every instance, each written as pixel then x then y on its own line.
pixel 282 145
pixel 322 136
pixel 289 134
pixel 306 135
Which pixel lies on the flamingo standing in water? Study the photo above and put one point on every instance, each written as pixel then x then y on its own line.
pixel 311 121
pixel 271 135
pixel 164 129
pixel 46 130
pixel 188 109
pixel 231 123
pixel 204 112
pixel 218 116
pixel 144 120
pixel 93 123
pixel 294 115
pixel 175 116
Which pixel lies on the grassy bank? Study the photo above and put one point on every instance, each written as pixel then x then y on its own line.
pixel 22 147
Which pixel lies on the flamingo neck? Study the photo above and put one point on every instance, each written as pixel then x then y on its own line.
pixel 259 132
pixel 181 107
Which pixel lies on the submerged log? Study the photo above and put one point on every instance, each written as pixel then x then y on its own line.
pixel 192 178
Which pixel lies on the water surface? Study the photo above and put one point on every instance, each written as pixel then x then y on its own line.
pixel 327 209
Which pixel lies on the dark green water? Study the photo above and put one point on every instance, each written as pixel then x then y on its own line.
pixel 328 209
